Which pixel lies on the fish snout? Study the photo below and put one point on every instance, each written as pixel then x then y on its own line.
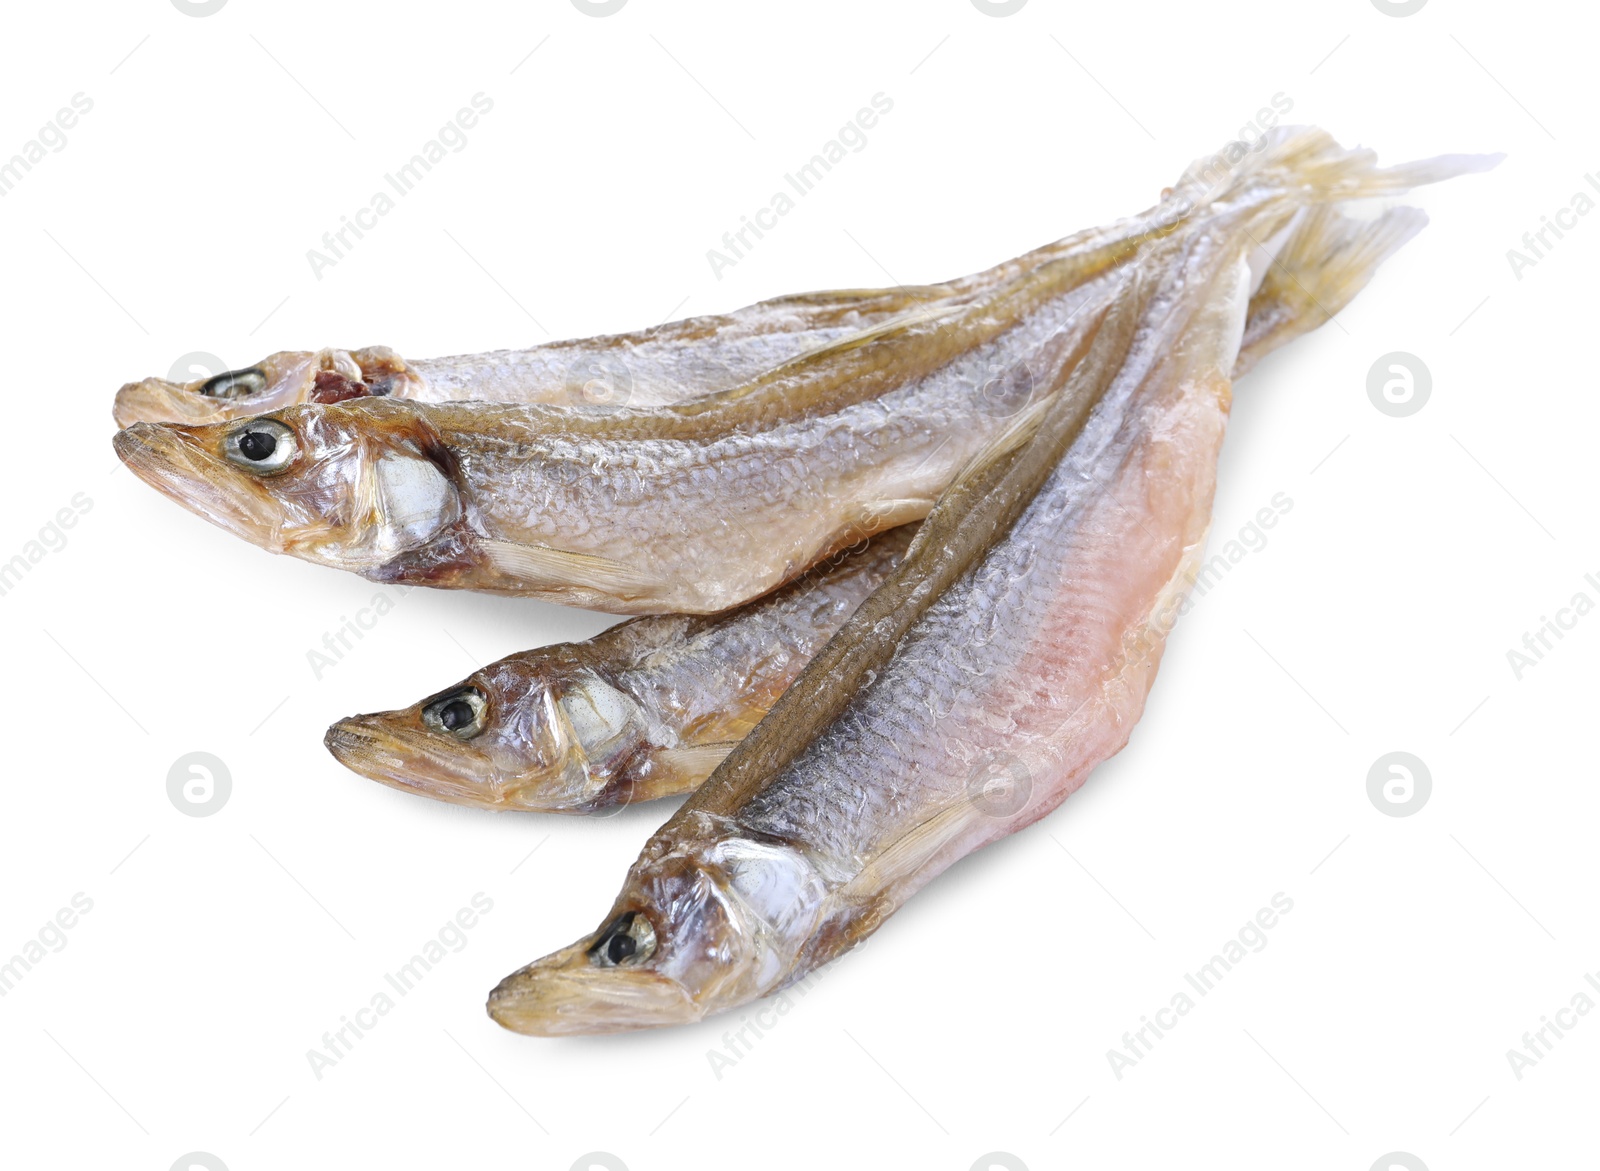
pixel 177 462
pixel 394 749
pixel 564 994
pixel 138 443
pixel 156 400
pixel 350 741
pixel 155 453
pixel 278 381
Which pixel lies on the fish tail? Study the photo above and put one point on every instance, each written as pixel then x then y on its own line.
pixel 1315 159
pixel 1326 260
pixel 1309 162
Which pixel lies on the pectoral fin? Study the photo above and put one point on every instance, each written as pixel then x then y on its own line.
pixel 1017 432
pixel 543 566
pixel 909 854
pixel 695 762
pixel 879 516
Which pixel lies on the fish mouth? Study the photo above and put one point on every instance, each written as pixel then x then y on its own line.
pixel 180 464
pixel 384 747
pixel 182 468
pixel 564 995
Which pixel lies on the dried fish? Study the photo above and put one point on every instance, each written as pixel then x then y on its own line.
pixel 974 691
pixel 700 506
pixel 647 709
pixel 691 508
pixel 666 364
pixel 652 367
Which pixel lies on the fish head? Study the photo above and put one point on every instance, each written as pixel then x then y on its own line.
pixel 701 926
pixel 352 485
pixel 503 738
pixel 279 380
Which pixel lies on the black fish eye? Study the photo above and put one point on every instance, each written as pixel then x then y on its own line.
pixel 262 446
pixel 462 714
pixel 257 445
pixel 629 940
pixel 235 383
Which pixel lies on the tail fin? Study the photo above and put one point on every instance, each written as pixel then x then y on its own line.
pixel 1327 259
pixel 1309 162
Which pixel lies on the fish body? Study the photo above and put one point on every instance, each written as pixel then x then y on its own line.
pixel 646 709
pixel 659 366
pixel 653 367
pixel 702 505
pixel 691 508
pixel 1011 652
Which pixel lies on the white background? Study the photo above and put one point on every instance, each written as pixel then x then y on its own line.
pixel 1417 552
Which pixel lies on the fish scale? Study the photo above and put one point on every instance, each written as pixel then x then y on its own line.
pixel 869 443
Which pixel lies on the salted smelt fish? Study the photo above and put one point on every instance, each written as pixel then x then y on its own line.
pixel 646 709
pixel 650 707
pixel 652 367
pixel 697 507
pixel 666 364
pixel 1010 653
pixel 691 508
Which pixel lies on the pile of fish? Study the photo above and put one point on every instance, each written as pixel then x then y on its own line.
pixel 904 559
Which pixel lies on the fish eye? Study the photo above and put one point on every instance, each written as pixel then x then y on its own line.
pixel 462 714
pixel 235 383
pixel 629 940
pixel 262 446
